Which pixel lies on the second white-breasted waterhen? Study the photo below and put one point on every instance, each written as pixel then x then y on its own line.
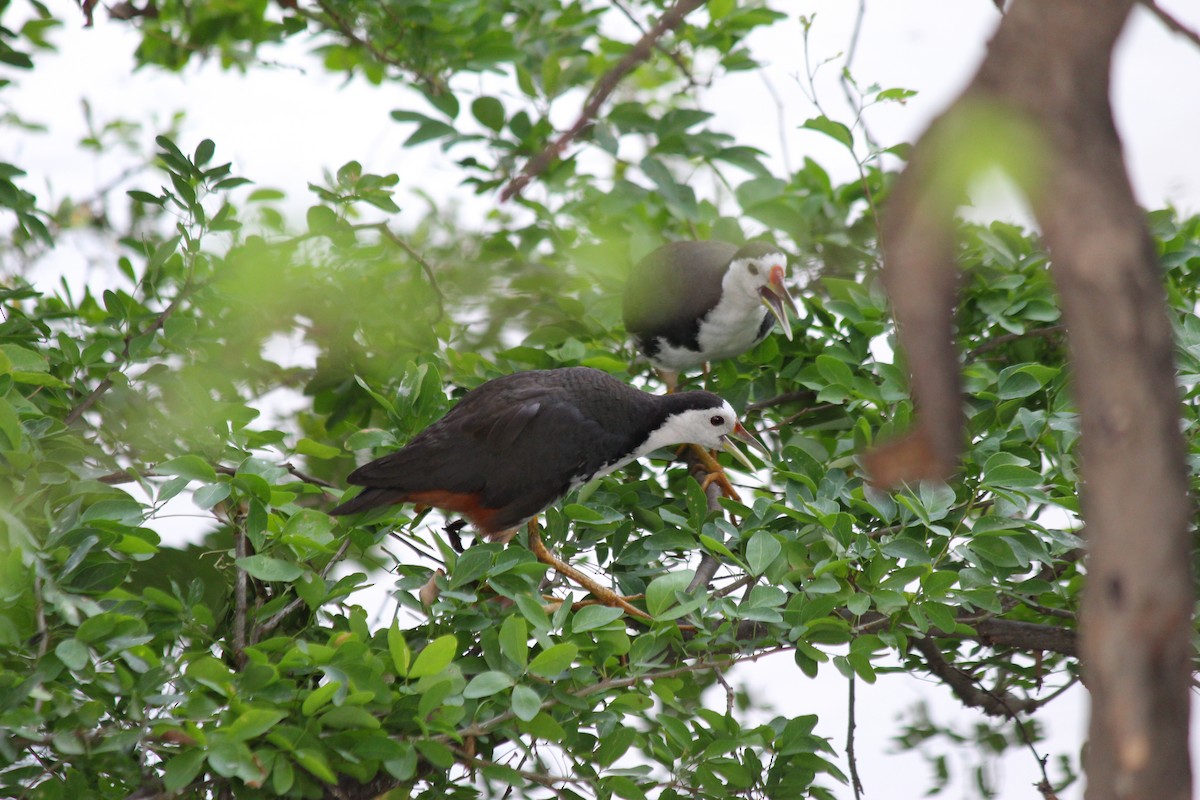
pixel 688 303
pixel 516 444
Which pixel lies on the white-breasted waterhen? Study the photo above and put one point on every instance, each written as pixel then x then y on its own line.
pixel 516 444
pixel 688 303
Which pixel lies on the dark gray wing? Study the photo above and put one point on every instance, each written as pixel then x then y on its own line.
pixel 517 446
pixel 672 289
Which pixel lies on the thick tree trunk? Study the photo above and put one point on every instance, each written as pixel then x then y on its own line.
pixel 1049 66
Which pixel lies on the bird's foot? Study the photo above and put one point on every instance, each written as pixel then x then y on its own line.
pixel 602 593
pixel 716 473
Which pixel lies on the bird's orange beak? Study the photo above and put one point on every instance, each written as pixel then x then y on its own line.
pixel 743 435
pixel 775 296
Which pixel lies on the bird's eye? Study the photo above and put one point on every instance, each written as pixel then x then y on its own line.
pixel 717 420
pixel 752 268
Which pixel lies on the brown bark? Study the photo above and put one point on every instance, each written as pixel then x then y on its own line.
pixel 1049 65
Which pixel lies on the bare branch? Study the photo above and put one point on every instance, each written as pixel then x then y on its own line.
pixel 1170 21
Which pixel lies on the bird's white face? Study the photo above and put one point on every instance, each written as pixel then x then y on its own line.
pixel 702 426
pixel 715 427
pixel 749 275
pixel 760 280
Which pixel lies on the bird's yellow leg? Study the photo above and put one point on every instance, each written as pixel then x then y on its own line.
pixel 602 593
pixel 716 474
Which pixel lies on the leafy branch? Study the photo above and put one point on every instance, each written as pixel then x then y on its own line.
pixel 603 87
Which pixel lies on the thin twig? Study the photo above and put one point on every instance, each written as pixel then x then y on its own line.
pixel 604 87
pixel 240 595
pixel 1171 22
pixel 383 228
pixel 125 476
pixel 799 395
pixel 432 82
pixel 729 693
pixel 745 580
pixel 847 80
pixel 666 51
pixel 273 622
pixel 1043 786
pixel 780 121
pixel 709 564
pixel 306 478
pixel 788 420
pixel 851 759
pixel 1003 339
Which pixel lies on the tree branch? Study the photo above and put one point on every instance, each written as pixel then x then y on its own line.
pixel 798 396
pixel 604 87
pixel 240 595
pixel 1047 76
pixel 964 685
pixel 1003 339
pixel 851 758
pixel 1171 22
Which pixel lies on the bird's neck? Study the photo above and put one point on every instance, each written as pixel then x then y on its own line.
pixel 671 431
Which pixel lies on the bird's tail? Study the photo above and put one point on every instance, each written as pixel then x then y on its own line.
pixel 367 499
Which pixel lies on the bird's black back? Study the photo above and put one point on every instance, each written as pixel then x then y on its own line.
pixel 518 441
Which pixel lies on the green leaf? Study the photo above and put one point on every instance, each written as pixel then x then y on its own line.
pixel 489 111
pixel 660 594
pixel 579 513
pixel 191 467
pixel 398 648
pixel 254 722
pixel 204 152
pixel 525 703
pixel 208 496
pixel 514 639
pixel 350 718
pixel 317 450
pixel 182 770
pixel 831 128
pixel 322 219
pixel 486 684
pixel 615 744
pixel 904 547
pixel 315 763
pixel 713 546
pixel 266 568
pixel 319 697
pixel 592 617
pixel 436 656
pixel 1010 476
pixel 718 9
pixel 553 660
pixel 429 131
pixel 761 550
pixel 73 653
